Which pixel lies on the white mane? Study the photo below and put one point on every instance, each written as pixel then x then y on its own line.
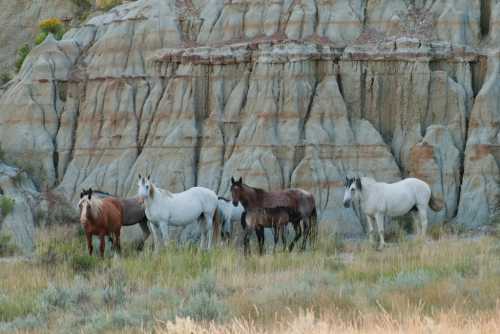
pixel 95 206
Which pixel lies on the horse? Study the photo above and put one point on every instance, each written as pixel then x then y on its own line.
pixel 379 199
pixel 101 217
pixel 257 219
pixel 180 209
pixel 230 214
pixel 133 212
pixel 300 204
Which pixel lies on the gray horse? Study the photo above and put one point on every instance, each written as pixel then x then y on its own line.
pixel 133 213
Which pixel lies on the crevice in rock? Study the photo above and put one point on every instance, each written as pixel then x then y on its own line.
pixel 485 18
pixel 479 70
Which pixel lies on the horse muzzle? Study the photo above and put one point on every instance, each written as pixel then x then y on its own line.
pixel 235 203
pixel 347 204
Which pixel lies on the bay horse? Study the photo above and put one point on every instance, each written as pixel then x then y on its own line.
pixel 257 219
pixel 300 204
pixel 101 217
pixel 180 209
pixel 133 213
pixel 379 199
pixel 230 214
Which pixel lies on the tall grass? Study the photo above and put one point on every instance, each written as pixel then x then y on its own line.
pixel 344 286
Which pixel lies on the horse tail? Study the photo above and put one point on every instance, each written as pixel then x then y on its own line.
pixel 243 220
pixel 313 227
pixel 435 204
pixel 217 223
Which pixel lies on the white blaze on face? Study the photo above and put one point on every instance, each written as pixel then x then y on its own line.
pixel 144 185
pixel 84 206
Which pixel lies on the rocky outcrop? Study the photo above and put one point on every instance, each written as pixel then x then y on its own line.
pixel 20 24
pixel 290 93
pixel 20 222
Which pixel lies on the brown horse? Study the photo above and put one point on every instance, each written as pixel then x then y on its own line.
pixel 133 213
pixel 300 204
pixel 257 219
pixel 101 217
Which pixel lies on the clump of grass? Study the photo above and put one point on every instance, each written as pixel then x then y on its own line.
pixel 6 205
pixel 83 263
pixel 22 53
pixel 7 246
pixel 106 5
pixel 22 324
pixel 204 303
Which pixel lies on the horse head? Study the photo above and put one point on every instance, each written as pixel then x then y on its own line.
pixel 352 189
pixel 145 187
pixel 85 206
pixel 236 190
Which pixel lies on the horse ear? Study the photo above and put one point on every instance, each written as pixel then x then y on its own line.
pixel 240 181
pixel 149 177
pixel 232 180
pixel 140 176
pixel 358 183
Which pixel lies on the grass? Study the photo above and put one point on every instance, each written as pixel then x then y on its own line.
pixel 450 284
pixel 6 205
pixel 22 53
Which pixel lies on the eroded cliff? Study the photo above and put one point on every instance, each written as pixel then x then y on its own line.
pixel 284 93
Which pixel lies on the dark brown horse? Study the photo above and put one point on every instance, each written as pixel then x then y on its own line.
pixel 101 217
pixel 258 219
pixel 299 203
pixel 133 212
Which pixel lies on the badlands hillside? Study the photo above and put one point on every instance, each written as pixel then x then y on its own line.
pixel 286 93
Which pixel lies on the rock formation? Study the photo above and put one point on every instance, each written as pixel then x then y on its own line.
pixel 284 93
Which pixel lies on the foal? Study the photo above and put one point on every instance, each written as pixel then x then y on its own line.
pixel 257 219
pixel 101 217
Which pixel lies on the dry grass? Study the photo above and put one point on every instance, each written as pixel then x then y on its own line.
pixel 449 285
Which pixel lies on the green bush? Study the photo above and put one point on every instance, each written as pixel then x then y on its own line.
pixel 22 53
pixel 7 246
pixel 6 205
pixel 106 5
pixel 41 37
pixel 83 263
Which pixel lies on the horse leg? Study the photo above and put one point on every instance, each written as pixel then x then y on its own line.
pixel 379 218
pixel 145 234
pixel 117 246
pixel 203 234
pixel 246 242
pixel 298 234
pixel 89 243
pixel 260 237
pixel 276 231
pixel 156 235
pixel 307 229
pixel 164 232
pixel 369 225
pixel 283 236
pixel 209 228
pixel 422 213
pixel 102 244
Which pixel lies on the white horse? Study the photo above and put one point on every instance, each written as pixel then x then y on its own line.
pixel 380 199
pixel 230 214
pixel 179 209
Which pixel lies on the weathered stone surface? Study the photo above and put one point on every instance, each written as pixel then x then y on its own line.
pixel 291 93
pixel 20 224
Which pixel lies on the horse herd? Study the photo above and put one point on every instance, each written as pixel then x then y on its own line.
pixel 102 214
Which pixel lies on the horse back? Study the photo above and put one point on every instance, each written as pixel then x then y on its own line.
pixel 133 211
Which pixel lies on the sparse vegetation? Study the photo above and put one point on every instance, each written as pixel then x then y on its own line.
pixel 84 8
pixel 7 246
pixel 5 77
pixel 106 5
pixel 342 288
pixel 22 53
pixel 6 205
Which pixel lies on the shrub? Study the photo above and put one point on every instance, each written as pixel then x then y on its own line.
pixel 107 4
pixel 41 37
pixel 6 205
pixel 204 303
pixel 22 324
pixel 7 246
pixel 52 25
pixel 4 78
pixel 83 263
pixel 84 7
pixel 22 53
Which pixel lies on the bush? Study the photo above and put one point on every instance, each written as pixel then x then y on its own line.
pixel 41 37
pixel 7 247
pixel 84 7
pixel 107 4
pixel 52 25
pixel 4 78
pixel 6 205
pixel 83 263
pixel 22 53
pixel 204 303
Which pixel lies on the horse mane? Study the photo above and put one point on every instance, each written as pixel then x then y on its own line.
pixel 104 193
pixel 223 198
pixel 158 189
pixel 95 206
pixel 366 180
